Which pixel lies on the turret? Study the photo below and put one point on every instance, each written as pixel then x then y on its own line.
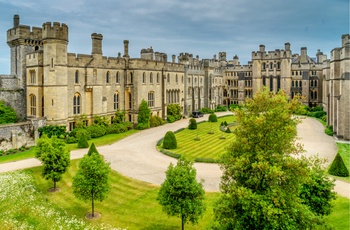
pixel 96 43
pixel 287 46
pixel 55 31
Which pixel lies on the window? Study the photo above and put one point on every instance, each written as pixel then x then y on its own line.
pixel 263 66
pixel 176 79
pixel 32 99
pixel 130 101
pixel 168 78
pixel 157 77
pixel 107 77
pixel 131 78
pixel 76 103
pixel 292 83
pixel 278 83
pixel 76 78
pixel 151 78
pixel 182 79
pixel 32 77
pixel 151 99
pixel 116 101
pixel 270 65
pixel 42 106
pixel 278 65
pixel 117 78
pixel 144 78
pixel 271 83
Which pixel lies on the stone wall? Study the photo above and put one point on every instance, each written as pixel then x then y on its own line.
pixel 14 136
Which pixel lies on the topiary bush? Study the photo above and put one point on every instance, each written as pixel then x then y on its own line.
pixel 83 132
pixel 169 141
pixel 212 118
pixel 228 130
pixel 338 167
pixel 193 124
pixel 82 143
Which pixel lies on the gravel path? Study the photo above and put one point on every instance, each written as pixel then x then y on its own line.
pixel 137 157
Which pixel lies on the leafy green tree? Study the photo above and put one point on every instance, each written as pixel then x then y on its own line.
pixel 91 182
pixel 338 167
pixel 169 141
pixel 262 177
pixel 212 118
pixel 180 194
pixel 7 114
pixel 54 155
pixel 144 116
pixel 81 121
pixel 174 110
pixel 318 183
pixel 101 120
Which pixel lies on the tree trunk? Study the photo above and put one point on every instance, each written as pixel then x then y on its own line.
pixel 182 222
pixel 92 204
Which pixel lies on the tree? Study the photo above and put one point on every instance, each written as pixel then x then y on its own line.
pixel 119 116
pixel 169 141
pixel 262 178
pixel 7 114
pixel 54 155
pixel 180 194
pixel 91 182
pixel 144 116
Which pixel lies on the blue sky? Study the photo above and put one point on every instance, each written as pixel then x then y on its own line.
pixel 200 27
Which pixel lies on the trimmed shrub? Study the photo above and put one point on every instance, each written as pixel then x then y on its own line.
pixel 338 167
pixel 193 124
pixel 116 128
pixel 71 140
pixel 156 121
pixel 206 110
pixel 170 154
pixel 212 118
pixel 96 131
pixel 82 143
pixel 128 124
pixel 169 141
pixel 83 132
pixel 220 108
pixel 170 119
pixel 53 130
pixel 329 130
pixel 228 130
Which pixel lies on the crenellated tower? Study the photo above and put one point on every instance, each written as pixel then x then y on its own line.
pixel 55 74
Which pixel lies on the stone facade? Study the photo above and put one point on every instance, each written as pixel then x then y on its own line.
pixel 60 86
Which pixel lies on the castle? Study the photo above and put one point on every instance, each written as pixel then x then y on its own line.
pixel 47 81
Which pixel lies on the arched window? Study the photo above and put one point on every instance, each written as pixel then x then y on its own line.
pixel 76 103
pixel 107 77
pixel 117 78
pixel 144 77
pixel 116 101
pixel 151 99
pixel 263 66
pixel 151 78
pixel 32 99
pixel 76 79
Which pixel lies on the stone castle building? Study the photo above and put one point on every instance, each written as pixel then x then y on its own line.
pixel 47 81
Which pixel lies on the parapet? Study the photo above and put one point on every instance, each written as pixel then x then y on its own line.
pixel 55 31
pixel 24 32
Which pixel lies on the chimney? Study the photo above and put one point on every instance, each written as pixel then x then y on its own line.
pixel 96 43
pixel 262 48
pixel 126 48
pixel 173 58
pixel 15 20
pixel 287 46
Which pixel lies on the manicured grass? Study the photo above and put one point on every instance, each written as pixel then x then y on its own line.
pixel 130 204
pixel 209 145
pixel 339 218
pixel 104 140
pixel 344 151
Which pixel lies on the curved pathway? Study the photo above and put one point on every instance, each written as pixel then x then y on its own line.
pixel 136 156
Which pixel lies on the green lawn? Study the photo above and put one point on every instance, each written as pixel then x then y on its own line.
pixel 209 145
pixel 344 151
pixel 130 204
pixel 104 140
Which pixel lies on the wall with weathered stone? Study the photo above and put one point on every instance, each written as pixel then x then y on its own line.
pixel 13 136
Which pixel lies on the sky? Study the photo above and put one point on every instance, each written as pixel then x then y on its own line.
pixel 198 27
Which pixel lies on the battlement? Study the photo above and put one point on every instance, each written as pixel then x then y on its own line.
pixel 22 32
pixel 35 59
pixel 55 30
